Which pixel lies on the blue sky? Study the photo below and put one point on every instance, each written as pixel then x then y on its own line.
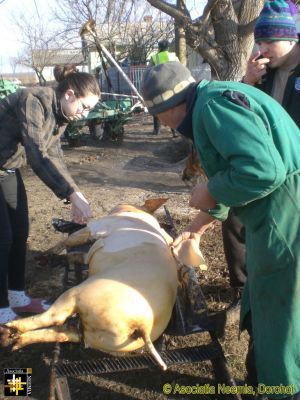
pixel 9 43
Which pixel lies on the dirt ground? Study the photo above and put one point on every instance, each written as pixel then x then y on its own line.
pixel 143 166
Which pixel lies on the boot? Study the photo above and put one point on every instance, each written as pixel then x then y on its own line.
pixel 156 126
pixel 155 132
pixel 233 311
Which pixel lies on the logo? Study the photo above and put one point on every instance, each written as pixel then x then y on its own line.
pixel 297 83
pixel 17 382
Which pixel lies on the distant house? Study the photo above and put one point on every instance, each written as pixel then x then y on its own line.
pixel 50 58
pixel 21 78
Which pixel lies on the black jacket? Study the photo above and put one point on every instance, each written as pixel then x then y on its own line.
pixel 30 123
pixel 291 98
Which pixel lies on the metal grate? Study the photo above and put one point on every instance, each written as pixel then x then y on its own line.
pixel 119 364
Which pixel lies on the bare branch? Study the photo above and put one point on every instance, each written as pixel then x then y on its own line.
pixel 129 29
pixel 169 9
pixel 38 41
pixel 248 15
pixel 223 35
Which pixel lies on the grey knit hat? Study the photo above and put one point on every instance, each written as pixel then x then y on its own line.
pixel 165 85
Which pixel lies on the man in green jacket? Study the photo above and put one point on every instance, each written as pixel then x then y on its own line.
pixel 249 148
pixel 274 69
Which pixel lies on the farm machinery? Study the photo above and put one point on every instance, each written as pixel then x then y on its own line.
pixel 7 87
pixel 106 121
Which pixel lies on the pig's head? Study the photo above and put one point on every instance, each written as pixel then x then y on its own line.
pixel 149 207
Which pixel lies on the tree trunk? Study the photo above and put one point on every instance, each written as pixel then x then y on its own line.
pixel 180 39
pixel 180 45
pixel 223 36
pixel 42 80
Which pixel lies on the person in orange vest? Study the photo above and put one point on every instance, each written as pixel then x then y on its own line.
pixel 163 55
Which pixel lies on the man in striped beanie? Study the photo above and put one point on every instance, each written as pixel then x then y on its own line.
pixel 276 35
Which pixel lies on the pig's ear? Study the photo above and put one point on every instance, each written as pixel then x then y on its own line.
pixel 152 205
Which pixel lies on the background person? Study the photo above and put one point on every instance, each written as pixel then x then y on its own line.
pixel 249 149
pixel 31 123
pixel 163 55
pixel 275 68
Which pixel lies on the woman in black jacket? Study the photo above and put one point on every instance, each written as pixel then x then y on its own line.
pixel 31 124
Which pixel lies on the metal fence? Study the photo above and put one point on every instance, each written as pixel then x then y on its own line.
pixel 135 74
pixel 118 83
pixel 201 72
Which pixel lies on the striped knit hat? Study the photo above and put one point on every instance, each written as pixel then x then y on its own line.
pixel 275 22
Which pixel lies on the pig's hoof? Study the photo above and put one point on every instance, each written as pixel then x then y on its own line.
pixel 8 336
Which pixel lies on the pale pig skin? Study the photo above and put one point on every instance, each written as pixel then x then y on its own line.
pixel 128 298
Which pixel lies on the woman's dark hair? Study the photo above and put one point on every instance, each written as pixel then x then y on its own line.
pixel 68 77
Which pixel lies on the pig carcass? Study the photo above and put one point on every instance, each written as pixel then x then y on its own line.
pixel 127 300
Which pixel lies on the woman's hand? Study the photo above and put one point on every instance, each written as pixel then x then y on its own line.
pixel 81 211
pixel 201 199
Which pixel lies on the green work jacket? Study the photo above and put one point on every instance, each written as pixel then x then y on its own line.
pixel 249 148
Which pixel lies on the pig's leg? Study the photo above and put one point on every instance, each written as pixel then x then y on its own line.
pixel 166 236
pixel 56 334
pixel 76 239
pixel 63 308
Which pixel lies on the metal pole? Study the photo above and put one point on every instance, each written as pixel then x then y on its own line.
pixel 119 95
pixel 89 26
pixel 114 62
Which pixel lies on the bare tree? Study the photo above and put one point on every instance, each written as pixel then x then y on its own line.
pixel 37 40
pixel 127 28
pixel 223 35
pixel 144 32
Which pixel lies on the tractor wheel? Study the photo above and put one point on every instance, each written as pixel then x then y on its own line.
pixel 96 130
pixel 73 135
pixel 74 142
pixel 113 133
